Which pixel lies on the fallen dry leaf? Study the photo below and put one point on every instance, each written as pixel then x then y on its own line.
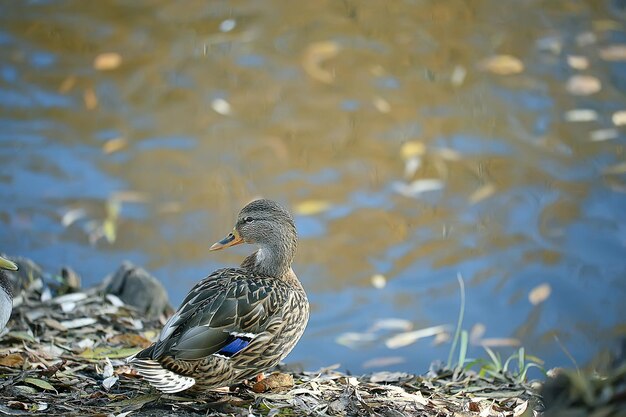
pixel 539 294
pixel 273 382
pixel 12 360
pixel 583 85
pixel 129 340
pixel 107 61
pixel 502 65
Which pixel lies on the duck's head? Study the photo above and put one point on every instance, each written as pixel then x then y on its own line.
pixel 269 226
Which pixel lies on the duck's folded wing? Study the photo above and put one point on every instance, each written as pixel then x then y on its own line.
pixel 220 316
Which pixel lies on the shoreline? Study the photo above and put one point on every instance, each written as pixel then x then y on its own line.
pixel 64 351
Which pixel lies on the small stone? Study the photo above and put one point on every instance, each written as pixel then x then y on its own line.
pixel 136 287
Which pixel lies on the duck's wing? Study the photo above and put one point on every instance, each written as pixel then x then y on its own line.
pixel 220 316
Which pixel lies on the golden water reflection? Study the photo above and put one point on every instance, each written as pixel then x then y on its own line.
pixel 413 140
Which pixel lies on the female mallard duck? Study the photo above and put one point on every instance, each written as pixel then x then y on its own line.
pixel 6 292
pixel 238 322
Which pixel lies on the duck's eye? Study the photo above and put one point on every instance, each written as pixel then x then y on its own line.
pixel 248 219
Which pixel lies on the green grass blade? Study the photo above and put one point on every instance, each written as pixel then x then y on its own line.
pixel 459 323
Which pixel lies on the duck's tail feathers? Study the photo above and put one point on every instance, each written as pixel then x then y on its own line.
pixel 162 379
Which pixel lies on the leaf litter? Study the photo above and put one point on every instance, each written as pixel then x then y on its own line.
pixel 71 361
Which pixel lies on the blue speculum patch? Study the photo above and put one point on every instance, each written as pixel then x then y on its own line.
pixel 236 344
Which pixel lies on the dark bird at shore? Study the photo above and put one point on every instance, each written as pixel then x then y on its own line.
pixel 238 322
pixel 6 292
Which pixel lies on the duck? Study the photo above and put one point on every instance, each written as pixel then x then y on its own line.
pixel 6 292
pixel 237 323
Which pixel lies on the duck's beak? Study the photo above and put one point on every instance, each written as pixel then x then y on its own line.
pixel 6 264
pixel 232 239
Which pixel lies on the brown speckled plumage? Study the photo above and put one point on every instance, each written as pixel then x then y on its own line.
pixel 237 322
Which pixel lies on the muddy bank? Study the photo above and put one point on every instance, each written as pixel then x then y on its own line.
pixel 63 354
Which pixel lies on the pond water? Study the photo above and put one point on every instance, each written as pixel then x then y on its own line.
pixel 414 141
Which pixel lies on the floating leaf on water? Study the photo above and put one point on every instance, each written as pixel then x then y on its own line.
pixel 500 342
pixel 441 338
pixel 311 207
pixel 616 169
pixel 40 383
pixel 411 166
pixel 550 44
pixel 109 230
pixel 71 216
pixel 502 65
pixel 107 61
pixel 67 84
pixel 315 55
pixel 539 294
pixel 578 62
pixel 614 53
pixel 482 193
pixel 12 360
pixel 458 75
pixel 114 145
pixel 228 25
pixel 379 281
pixel 476 333
pixel 583 85
pixel 383 362
pixel 90 99
pixel 382 105
pixel 355 340
pixel 76 323
pixel 221 106
pixel 581 115
pixel 408 338
pixel 586 39
pixel 386 376
pixel 418 186
pixel 411 149
pixel 601 135
pixel 619 118
pixel 391 324
pixel 448 154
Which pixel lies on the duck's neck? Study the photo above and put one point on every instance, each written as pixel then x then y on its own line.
pixel 270 260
